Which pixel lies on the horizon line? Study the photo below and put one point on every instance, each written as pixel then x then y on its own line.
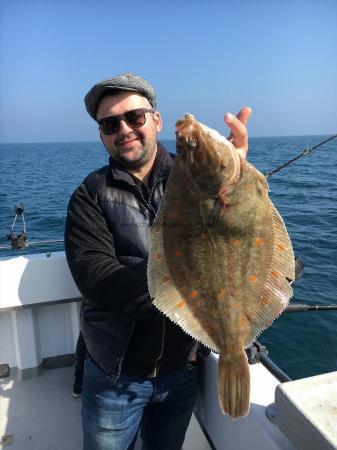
pixel 159 140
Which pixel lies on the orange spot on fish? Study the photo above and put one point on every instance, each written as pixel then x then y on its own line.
pixel 193 294
pixel 159 255
pixel 165 279
pixel 173 215
pixel 259 241
pixel 281 247
pixel 178 253
pixel 237 242
pixel 248 187
pixel 180 304
pixel 243 320
pixel 252 277
pixel 276 274
pixel 221 294
pixel 265 301
pixel 231 348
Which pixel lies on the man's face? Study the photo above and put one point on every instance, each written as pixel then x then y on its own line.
pixel 130 147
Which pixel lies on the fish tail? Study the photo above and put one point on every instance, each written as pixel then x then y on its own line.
pixel 234 384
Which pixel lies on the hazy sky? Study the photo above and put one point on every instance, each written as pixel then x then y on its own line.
pixel 203 57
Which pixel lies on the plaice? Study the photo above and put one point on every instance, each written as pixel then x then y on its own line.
pixel 220 258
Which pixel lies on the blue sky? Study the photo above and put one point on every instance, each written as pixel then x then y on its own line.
pixel 203 57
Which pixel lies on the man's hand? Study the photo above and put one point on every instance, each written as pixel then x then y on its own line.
pixel 239 133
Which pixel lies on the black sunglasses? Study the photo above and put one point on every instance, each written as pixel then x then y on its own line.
pixel 135 119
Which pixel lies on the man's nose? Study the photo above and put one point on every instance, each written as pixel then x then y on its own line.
pixel 124 127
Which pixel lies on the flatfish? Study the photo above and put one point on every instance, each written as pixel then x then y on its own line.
pixel 220 258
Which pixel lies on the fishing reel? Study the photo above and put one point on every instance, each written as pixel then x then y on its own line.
pixel 18 240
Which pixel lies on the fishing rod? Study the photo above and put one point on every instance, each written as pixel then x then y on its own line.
pixel 299 307
pixel 306 151
pixel 257 352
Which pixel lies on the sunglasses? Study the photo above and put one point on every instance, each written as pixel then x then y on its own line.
pixel 135 119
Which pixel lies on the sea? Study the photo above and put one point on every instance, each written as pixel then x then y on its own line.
pixel 42 177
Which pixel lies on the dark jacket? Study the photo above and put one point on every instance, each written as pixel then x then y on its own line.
pixel 106 242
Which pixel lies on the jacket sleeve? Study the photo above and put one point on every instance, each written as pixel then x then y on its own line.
pixel 92 260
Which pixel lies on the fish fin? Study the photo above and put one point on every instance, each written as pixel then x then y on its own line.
pixel 234 384
pixel 277 290
pixel 163 291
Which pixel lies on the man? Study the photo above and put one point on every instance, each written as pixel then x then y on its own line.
pixel 141 369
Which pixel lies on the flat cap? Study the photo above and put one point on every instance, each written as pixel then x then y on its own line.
pixel 124 82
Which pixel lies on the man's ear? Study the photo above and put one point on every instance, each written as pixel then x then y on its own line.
pixel 158 121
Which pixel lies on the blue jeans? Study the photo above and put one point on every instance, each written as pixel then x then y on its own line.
pixel 114 410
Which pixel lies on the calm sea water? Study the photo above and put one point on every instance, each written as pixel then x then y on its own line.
pixel 43 176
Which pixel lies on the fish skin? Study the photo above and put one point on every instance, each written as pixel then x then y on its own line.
pixel 220 258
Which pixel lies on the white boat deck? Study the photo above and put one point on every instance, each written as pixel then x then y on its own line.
pixel 39 322
pixel 39 413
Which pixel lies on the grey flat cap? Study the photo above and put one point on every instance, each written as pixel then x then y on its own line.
pixel 123 82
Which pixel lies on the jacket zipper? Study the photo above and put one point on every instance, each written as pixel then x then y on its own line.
pixel 121 359
pixel 156 367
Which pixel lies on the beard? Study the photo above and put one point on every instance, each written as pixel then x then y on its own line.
pixel 142 158
pixel 142 153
